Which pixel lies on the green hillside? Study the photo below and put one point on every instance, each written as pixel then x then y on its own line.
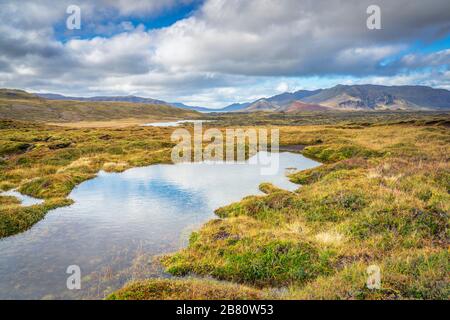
pixel 20 105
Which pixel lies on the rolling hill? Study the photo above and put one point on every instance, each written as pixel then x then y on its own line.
pixel 234 107
pixel 135 99
pixel 298 106
pixel 130 98
pixel 21 105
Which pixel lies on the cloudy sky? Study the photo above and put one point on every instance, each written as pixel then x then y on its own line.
pixel 216 52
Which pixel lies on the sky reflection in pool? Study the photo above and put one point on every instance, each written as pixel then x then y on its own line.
pixel 119 221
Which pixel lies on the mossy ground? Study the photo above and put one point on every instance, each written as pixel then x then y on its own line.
pixel 381 198
pixel 189 289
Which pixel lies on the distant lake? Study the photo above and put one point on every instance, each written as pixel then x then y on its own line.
pixel 121 221
pixel 173 123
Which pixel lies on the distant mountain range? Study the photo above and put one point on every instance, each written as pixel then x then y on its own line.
pixel 135 99
pixel 131 99
pixel 356 97
pixel 338 98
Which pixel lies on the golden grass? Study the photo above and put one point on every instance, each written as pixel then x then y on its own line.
pixel 382 197
pixel 187 289
pixel 121 123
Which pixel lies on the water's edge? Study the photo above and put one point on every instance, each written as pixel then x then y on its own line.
pixel 119 221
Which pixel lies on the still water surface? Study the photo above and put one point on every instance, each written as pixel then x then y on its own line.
pixel 173 123
pixel 121 221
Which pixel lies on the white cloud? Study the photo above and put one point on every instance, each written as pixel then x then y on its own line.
pixel 228 51
pixel 282 87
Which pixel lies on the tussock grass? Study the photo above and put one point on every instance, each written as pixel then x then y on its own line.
pixel 233 250
pixel 15 218
pixel 421 274
pixel 191 289
pixel 381 198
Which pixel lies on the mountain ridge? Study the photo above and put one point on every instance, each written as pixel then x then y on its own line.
pixel 356 98
pixel 136 99
pixel 128 98
pixel 365 97
pixel 21 105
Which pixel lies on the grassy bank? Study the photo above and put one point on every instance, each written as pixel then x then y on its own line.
pixel 381 198
pixel 189 289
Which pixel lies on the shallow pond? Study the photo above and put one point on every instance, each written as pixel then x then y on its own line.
pixel 121 221
pixel 173 123
pixel 24 199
